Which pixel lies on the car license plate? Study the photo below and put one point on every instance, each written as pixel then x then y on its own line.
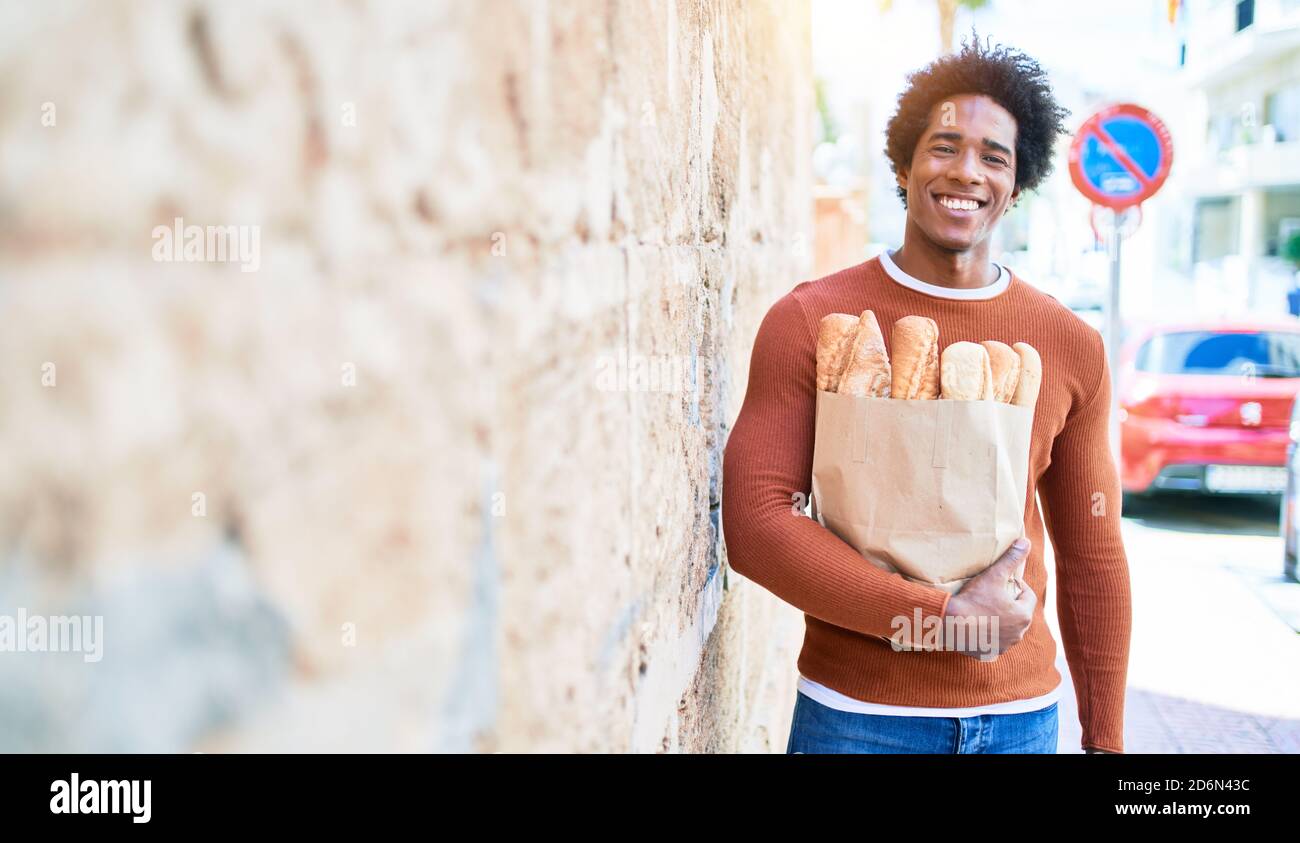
pixel 1245 478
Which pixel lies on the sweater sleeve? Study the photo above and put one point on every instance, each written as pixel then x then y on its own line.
pixel 1082 502
pixel 767 479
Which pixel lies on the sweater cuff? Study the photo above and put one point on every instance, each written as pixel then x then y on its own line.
pixel 1094 747
pixel 924 603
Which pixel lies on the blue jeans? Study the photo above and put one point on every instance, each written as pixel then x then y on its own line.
pixel 821 729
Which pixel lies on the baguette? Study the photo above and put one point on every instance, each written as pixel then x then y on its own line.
pixel 1006 369
pixel 916 358
pixel 834 342
pixel 965 373
pixel 867 373
pixel 1031 375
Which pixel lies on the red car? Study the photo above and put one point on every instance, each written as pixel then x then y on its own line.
pixel 1206 406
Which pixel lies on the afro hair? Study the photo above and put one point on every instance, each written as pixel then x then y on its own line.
pixel 1008 77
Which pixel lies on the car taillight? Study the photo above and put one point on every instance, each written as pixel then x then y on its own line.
pixel 1152 408
pixel 1140 399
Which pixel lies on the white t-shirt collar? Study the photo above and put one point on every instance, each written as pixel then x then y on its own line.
pixel 996 288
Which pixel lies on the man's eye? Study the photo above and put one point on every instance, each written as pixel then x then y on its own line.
pixel 995 159
pixel 944 149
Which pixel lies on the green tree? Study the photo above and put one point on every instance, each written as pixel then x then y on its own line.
pixel 830 132
pixel 1291 249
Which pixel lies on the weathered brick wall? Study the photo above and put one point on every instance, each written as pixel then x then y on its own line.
pixel 436 465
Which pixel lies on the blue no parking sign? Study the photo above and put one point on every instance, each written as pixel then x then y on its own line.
pixel 1121 156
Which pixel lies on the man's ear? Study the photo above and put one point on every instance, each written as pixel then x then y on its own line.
pixel 1015 197
pixel 901 178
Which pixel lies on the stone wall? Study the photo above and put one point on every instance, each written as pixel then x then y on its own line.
pixel 366 369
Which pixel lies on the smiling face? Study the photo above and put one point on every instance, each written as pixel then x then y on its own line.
pixel 963 173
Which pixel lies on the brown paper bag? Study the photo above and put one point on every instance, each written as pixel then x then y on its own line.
pixel 931 489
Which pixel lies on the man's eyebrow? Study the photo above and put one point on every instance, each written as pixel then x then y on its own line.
pixel 956 136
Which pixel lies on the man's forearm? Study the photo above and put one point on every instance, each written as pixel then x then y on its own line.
pixel 1095 619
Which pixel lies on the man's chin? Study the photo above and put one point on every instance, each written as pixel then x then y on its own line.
pixel 951 244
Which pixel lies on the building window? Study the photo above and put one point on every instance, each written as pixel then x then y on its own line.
pixel 1282 112
pixel 1245 13
pixel 1221 132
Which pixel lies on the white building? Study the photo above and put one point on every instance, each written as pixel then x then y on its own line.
pixel 1241 163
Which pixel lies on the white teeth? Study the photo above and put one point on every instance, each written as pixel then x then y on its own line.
pixel 959 204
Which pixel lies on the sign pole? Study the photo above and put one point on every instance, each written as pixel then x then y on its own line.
pixel 1112 299
pixel 1112 336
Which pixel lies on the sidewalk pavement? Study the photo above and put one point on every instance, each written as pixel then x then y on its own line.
pixel 1214 663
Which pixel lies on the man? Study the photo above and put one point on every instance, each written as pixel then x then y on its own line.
pixel 972 131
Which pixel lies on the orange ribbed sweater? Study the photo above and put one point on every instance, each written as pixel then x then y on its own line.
pixel 846 601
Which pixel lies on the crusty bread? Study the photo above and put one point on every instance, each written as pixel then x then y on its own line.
pixel 834 342
pixel 965 373
pixel 915 344
pixel 1031 375
pixel 1005 364
pixel 852 360
pixel 867 373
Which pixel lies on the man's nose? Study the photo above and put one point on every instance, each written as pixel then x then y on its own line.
pixel 965 168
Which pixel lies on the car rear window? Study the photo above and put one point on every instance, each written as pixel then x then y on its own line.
pixel 1268 354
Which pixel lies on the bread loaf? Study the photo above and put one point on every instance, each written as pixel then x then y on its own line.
pixel 965 373
pixel 1005 364
pixel 867 372
pixel 1031 375
pixel 834 342
pixel 852 360
pixel 915 343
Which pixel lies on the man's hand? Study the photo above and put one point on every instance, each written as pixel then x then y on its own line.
pixel 991 594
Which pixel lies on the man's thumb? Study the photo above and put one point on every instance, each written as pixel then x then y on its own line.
pixel 1017 552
